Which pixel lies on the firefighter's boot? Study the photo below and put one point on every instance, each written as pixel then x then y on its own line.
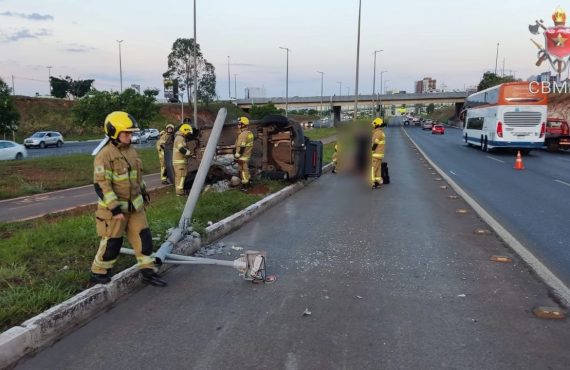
pixel 99 278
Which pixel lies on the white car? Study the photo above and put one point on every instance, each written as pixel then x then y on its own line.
pixel 139 137
pixel 43 139
pixel 153 134
pixel 12 150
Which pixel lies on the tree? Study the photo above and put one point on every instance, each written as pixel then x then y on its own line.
pixel 181 68
pixel 430 108
pixel 260 111
pixel 490 79
pixel 9 115
pixel 92 109
pixel 62 87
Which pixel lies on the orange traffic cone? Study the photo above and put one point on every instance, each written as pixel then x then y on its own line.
pixel 519 163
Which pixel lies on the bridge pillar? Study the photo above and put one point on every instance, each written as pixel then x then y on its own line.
pixel 458 109
pixel 336 114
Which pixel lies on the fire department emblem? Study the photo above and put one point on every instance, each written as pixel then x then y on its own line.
pixel 557 42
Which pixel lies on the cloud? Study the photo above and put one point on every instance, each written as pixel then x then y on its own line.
pixel 23 34
pixel 76 48
pixel 32 17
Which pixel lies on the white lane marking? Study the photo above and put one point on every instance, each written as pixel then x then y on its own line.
pixel 495 159
pixel 562 182
pixel 453 173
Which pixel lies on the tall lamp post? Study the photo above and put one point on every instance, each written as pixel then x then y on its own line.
pixel 286 82
pixel 339 88
pixel 195 71
pixel 382 82
pixel 357 63
pixel 322 76
pixel 229 80
pixel 49 78
pixel 181 93
pixel 235 86
pixel 120 65
pixel 497 58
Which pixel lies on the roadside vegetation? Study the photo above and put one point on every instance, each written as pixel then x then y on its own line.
pixel 46 261
pixel 40 175
pixel 320 133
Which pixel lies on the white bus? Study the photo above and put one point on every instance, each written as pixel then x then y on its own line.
pixel 510 115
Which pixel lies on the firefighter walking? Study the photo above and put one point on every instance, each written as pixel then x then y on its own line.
pixel 166 139
pixel 378 146
pixel 180 156
pixel 122 197
pixel 244 147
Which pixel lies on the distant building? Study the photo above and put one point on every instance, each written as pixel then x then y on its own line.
pixel 426 85
pixel 254 92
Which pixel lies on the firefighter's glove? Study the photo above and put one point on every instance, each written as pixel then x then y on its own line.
pixel 146 197
pixel 188 154
pixel 236 155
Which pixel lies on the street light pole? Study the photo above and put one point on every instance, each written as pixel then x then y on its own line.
pixel 322 74
pixel 195 71
pixel 49 78
pixel 120 65
pixel 229 80
pixel 357 63
pixel 374 79
pixel 497 58
pixel 181 106
pixel 286 82
pixel 381 82
pixel 235 85
pixel 339 88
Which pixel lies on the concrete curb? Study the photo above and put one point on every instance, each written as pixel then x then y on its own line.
pixel 45 328
pixel 558 288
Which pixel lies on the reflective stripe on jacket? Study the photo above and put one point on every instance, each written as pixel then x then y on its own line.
pixel 118 173
pixel 244 144
pixel 379 139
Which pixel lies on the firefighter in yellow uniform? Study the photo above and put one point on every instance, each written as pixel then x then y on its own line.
pixel 335 158
pixel 122 197
pixel 378 144
pixel 166 137
pixel 244 147
pixel 180 156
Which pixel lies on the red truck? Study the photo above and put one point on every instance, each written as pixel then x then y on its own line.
pixel 557 134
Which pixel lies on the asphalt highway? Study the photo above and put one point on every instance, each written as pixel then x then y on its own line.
pixel 394 278
pixel 75 147
pixel 533 204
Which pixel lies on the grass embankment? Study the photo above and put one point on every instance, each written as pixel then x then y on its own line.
pixel 320 133
pixel 34 176
pixel 442 114
pixel 45 261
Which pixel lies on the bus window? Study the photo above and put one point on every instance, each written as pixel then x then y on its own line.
pixel 475 123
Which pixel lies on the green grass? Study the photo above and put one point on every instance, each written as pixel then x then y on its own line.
pixel 320 133
pixel 46 261
pixel 328 150
pixel 39 175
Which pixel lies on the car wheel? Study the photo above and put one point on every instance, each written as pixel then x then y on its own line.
pixel 27 146
pixel 59 144
pixel 42 145
pixel 485 147
pixel 19 156
pixel 481 144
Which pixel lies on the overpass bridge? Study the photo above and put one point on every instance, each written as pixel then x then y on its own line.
pixel 346 103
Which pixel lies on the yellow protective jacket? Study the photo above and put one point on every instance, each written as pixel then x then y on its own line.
pixel 378 143
pixel 244 145
pixel 165 137
pixel 118 178
pixel 181 151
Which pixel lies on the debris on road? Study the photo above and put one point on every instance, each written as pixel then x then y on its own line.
pixel 549 313
pixel 502 259
pixel 306 312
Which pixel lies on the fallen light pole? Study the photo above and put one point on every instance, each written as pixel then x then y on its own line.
pixel 251 264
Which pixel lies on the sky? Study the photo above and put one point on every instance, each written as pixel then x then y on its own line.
pixel 452 41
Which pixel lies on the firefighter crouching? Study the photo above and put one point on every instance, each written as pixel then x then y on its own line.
pixel 378 144
pixel 180 156
pixel 244 147
pixel 122 197
pixel 166 137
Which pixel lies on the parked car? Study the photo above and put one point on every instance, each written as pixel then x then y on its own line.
pixel 139 137
pixel 43 139
pixel 438 129
pixel 427 125
pixel 153 134
pixel 12 150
